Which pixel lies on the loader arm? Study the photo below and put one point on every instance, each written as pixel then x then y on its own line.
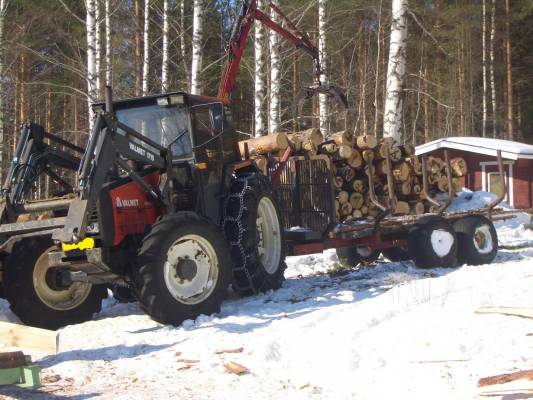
pixel 240 33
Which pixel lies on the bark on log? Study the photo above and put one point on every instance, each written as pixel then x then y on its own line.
pixel 357 200
pixel 457 185
pixel 356 161
pixel 346 152
pixel 264 144
pixel 368 156
pixel 442 183
pixel 343 197
pixel 346 209
pixel 359 186
pixel 343 138
pixel 295 141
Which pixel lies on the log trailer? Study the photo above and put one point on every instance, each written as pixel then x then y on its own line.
pixel 164 202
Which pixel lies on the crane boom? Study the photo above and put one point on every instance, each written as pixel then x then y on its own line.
pixel 241 31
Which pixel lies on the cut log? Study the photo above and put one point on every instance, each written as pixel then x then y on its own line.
pixel 343 138
pixel 368 156
pixel 417 189
pixel 329 148
pixel 356 161
pixel 357 214
pixel 263 145
pixel 346 209
pixel 338 182
pixel 415 164
pixel 343 197
pixel 365 142
pixel 28 339
pixel 401 172
pixel 295 141
pixel 359 186
pixel 364 210
pixel 434 178
pixel 408 150
pixel 402 207
pixel 261 163
pixel 457 185
pixel 346 152
pixel 404 188
pixel 417 208
pixel 235 368
pixel 347 173
pixel 435 164
pixel 459 166
pixel 442 183
pixel 357 200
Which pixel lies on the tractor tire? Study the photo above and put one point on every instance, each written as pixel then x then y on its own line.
pixel 184 269
pixel 35 299
pixel 353 256
pixel 123 294
pixel 396 254
pixel 432 243
pixel 254 229
pixel 477 239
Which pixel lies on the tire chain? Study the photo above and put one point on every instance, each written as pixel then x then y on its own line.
pixel 241 229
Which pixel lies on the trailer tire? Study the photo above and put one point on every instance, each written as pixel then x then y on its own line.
pixel 184 269
pixel 432 243
pixel 34 300
pixel 396 254
pixel 477 239
pixel 353 256
pixel 253 226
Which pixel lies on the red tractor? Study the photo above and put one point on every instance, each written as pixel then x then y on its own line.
pixel 163 204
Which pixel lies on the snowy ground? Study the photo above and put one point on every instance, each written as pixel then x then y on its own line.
pixel 382 332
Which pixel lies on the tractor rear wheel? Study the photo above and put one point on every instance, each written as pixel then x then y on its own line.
pixel 252 223
pixel 34 295
pixel 184 269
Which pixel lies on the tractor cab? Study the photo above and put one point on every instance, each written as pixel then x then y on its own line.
pixel 194 128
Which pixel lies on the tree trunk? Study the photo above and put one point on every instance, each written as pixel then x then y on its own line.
pixel 484 62
pixel 108 71
pixel 183 44
pixel 392 119
pixel 97 47
pixel 259 76
pixel 376 83
pixel 164 63
pixel 509 67
pixel 138 48
pixel 197 46
pixel 492 80
pixel 275 77
pixel 146 40
pixel 92 89
pixel 323 55
pixel 3 9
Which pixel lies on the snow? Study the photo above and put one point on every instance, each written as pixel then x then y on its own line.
pixel 488 146
pixel 386 331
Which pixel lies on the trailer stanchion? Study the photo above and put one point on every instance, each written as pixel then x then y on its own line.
pixel 450 184
pixel 425 191
pixel 503 193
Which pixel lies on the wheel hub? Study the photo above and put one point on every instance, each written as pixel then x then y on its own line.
pixel 483 239
pixel 191 269
pixel 268 231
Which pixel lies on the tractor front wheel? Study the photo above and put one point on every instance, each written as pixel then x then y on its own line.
pixel 184 269
pixel 34 295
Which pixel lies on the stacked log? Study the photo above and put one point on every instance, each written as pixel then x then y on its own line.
pixel 353 157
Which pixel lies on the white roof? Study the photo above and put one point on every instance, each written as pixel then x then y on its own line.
pixel 510 150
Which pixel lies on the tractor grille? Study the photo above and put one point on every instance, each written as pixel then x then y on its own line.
pixel 306 194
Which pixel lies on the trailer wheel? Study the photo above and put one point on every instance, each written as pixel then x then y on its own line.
pixel 184 268
pixel 252 223
pixel 477 239
pixel 432 243
pixel 36 299
pixel 396 254
pixel 353 256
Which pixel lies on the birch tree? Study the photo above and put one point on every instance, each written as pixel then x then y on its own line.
pixel 275 76
pixel 492 79
pixel 392 118
pixel 259 76
pixel 146 40
pixel 3 10
pixel 92 89
pixel 197 46
pixel 97 47
pixel 509 71
pixel 138 48
pixel 164 63
pixel 322 53
pixel 108 79
pixel 484 62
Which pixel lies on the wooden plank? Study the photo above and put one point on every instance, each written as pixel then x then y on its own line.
pixel 524 312
pixel 28 339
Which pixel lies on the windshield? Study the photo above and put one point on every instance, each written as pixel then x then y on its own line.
pixel 164 125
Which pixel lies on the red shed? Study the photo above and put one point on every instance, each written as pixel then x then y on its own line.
pixel 480 155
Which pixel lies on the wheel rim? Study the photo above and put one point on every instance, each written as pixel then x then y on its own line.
pixel 191 269
pixel 59 300
pixel 483 239
pixel 268 228
pixel 442 242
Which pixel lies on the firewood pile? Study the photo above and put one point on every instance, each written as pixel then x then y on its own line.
pixel 351 157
